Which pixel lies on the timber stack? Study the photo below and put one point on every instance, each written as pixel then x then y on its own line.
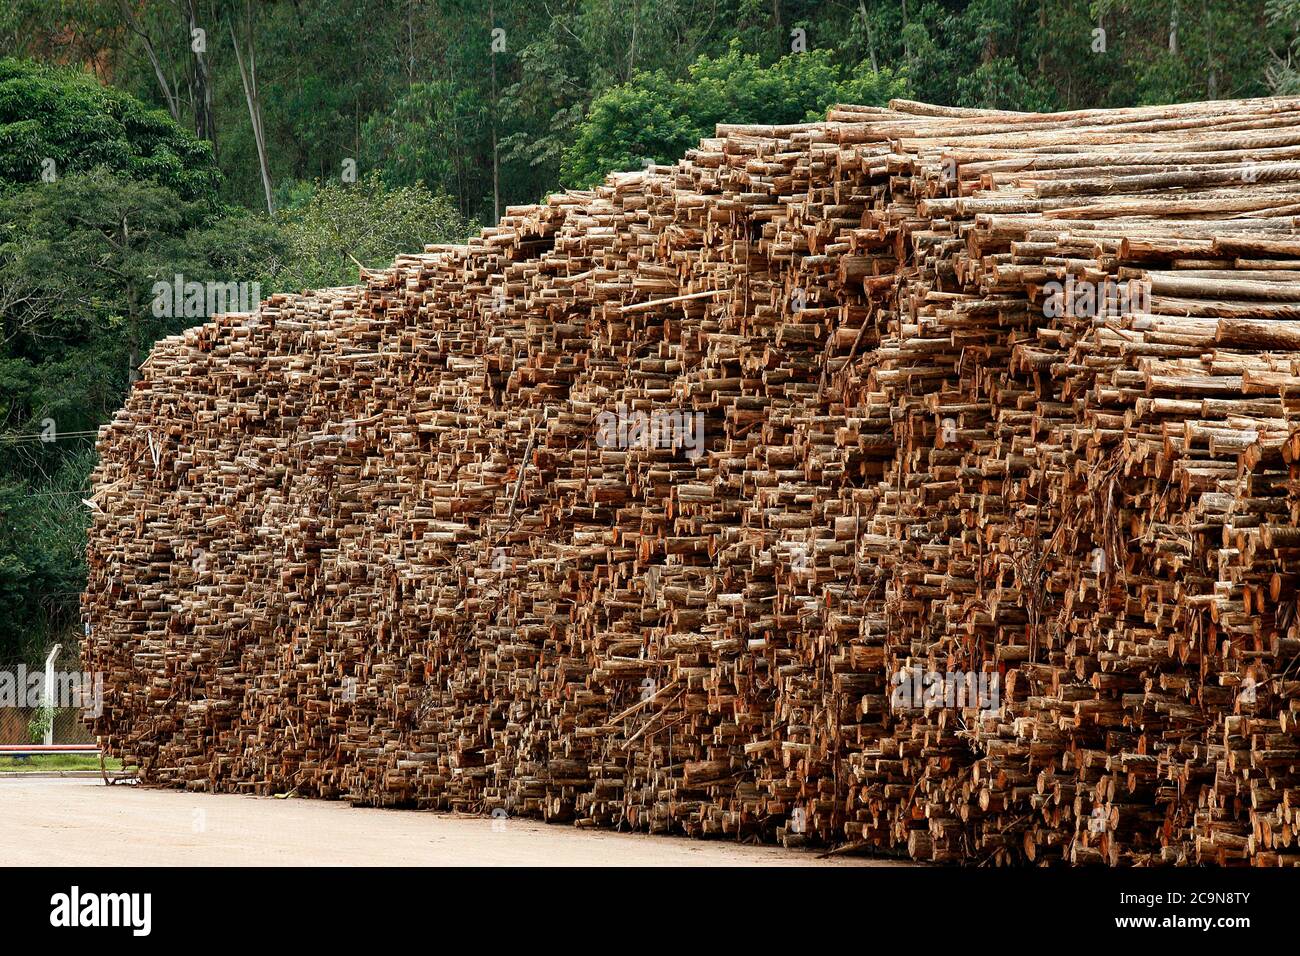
pixel 924 480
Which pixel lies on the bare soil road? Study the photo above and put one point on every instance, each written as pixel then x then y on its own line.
pixel 78 822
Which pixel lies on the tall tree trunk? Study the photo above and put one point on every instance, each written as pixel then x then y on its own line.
pixel 410 42
pixel 1173 28
pixel 168 94
pixel 1042 38
pixel 1211 81
pixel 249 80
pixel 204 121
pixel 631 50
pixel 132 320
pixel 871 41
pixel 496 159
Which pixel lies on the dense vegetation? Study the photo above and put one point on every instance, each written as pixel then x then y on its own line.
pixel 283 143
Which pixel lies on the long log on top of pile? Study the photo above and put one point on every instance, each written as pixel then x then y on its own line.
pixel 922 480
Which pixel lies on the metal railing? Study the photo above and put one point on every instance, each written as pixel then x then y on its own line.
pixel 37 750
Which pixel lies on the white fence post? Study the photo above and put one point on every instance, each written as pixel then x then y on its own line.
pixel 49 692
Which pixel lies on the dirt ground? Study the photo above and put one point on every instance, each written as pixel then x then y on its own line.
pixel 78 822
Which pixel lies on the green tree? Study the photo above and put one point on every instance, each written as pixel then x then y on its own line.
pixel 58 121
pixel 42 553
pixel 659 117
pixel 436 133
pixel 332 229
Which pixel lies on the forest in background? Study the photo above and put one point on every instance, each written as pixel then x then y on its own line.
pixel 285 144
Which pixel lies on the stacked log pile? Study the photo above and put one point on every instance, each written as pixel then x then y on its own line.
pixel 380 543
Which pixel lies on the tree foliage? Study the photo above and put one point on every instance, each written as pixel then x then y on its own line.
pixel 58 121
pixel 333 230
pixel 658 116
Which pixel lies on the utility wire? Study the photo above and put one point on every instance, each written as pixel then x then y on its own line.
pixel 49 440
